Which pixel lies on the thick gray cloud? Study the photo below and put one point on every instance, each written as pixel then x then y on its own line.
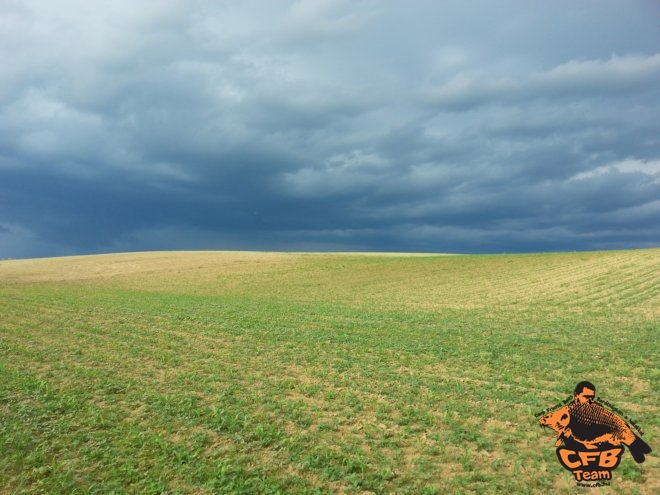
pixel 328 124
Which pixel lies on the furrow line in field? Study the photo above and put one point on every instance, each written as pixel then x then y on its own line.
pixel 607 292
pixel 641 286
pixel 638 289
pixel 34 313
pixel 607 282
pixel 565 281
pixel 574 295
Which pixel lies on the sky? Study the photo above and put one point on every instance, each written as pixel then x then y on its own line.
pixel 328 125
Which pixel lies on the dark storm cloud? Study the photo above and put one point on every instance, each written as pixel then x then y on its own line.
pixel 328 125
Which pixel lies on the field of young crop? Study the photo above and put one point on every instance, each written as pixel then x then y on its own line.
pixel 255 373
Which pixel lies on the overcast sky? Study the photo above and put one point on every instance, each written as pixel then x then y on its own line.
pixel 321 125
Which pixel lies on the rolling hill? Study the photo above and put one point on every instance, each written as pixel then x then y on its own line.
pixel 245 372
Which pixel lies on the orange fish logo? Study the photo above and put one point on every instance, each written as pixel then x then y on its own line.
pixel 593 436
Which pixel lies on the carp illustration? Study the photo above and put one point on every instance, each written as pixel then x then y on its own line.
pixel 594 427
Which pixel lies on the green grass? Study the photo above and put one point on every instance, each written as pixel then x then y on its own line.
pixel 286 373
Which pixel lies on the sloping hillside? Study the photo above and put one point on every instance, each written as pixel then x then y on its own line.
pixel 623 280
pixel 228 372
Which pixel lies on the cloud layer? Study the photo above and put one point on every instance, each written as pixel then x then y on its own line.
pixel 328 125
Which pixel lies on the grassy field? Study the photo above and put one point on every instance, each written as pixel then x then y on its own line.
pixel 221 372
